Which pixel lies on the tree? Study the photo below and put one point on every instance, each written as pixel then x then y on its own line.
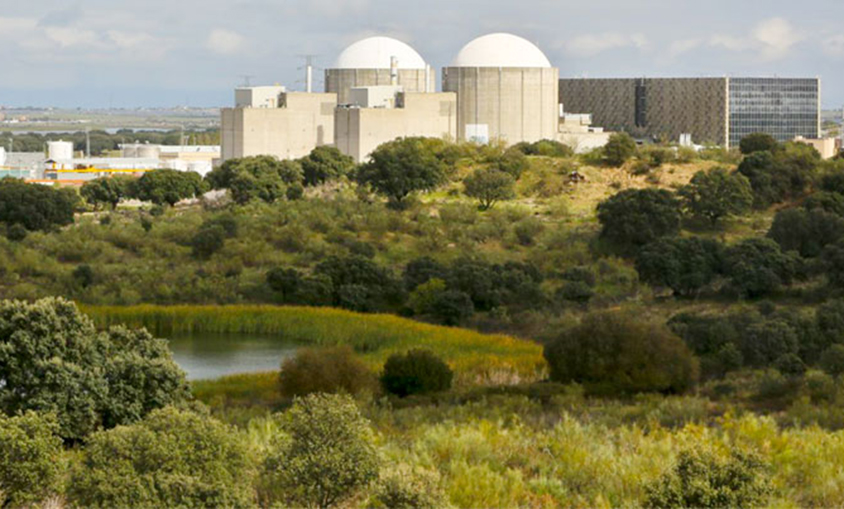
pixel 52 359
pixel 325 370
pixel 757 267
pixel 703 478
pixel 401 167
pixel 168 186
pixel 416 372
pixel 758 142
pixel 245 187
pixel 358 283
pixel 635 217
pixel 512 162
pixel 833 263
pixel 30 459
pixel 257 177
pixel 421 270
pixel 807 232
pixel 489 186
pixel 285 282
pixel 324 164
pixel 832 360
pixel 33 206
pixel 613 353
pixel 325 456
pixel 619 149
pixel 683 264
pixel 207 241
pixel 106 190
pixel 172 458
pixel 716 194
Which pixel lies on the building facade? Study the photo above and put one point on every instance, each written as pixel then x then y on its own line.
pixel 713 110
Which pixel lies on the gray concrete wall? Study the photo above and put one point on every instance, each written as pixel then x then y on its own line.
pixel 515 104
pixel 359 131
pixel 305 122
pixel 341 81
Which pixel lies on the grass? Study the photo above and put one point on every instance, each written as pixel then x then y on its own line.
pixel 476 358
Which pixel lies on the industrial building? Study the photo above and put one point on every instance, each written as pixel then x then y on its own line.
pixel 713 110
pixel 378 61
pixel 272 121
pixel 382 114
pixel 506 90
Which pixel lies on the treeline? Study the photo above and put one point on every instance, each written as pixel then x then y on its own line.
pixel 103 142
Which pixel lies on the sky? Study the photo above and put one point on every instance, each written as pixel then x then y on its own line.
pixel 161 53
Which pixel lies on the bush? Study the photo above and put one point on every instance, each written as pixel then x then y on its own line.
pixel 434 299
pixel 512 162
pixel 33 207
pixel 325 455
pixel 757 267
pixel 421 270
pixel 790 364
pixel 54 360
pixel 716 194
pixel 685 265
pixel 806 231
pixel 489 186
pixel 706 479
pixel 207 241
pixel 16 232
pixel 30 459
pixel 612 353
pixel 327 370
pixel 832 360
pixel 358 283
pixel 758 142
pixel 324 164
pixel 173 458
pixel 406 487
pixel 416 372
pixel 633 218
pixel 619 149
pixel 576 291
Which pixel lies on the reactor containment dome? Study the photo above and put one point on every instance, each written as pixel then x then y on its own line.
pixel 377 61
pixel 506 89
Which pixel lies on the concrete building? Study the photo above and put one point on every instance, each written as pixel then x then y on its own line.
pixel 377 61
pixel 713 110
pixel 378 117
pixel 301 122
pixel 506 90
pixel 576 131
pixel 258 97
pixel 826 147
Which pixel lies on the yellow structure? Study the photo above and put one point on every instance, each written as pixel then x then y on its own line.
pixel 826 147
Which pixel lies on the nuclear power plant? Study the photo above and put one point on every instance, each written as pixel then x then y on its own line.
pixel 500 88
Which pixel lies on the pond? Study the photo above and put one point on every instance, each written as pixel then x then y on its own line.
pixel 206 356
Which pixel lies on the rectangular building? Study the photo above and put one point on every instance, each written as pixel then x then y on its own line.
pixel 359 130
pixel 713 110
pixel 300 122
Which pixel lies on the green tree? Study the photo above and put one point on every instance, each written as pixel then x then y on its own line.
pixel 806 231
pixel 635 217
pixel 758 142
pixel 613 353
pixel 324 164
pixel 31 461
pixel 257 177
pixel 325 370
pixel 52 359
pixel 683 264
pixel 106 190
pixel 715 194
pixel 326 454
pixel 757 267
pixel 415 372
pixel 401 167
pixel 245 187
pixel 489 186
pixel 168 186
pixel 703 478
pixel 33 206
pixel 172 458
pixel 619 149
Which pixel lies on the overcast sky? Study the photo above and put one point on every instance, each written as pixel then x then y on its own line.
pixel 175 52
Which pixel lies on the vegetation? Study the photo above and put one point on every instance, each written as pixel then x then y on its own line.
pixel 29 449
pixel 633 218
pixel 416 372
pixel 716 194
pixel 33 207
pixel 489 186
pixel 168 186
pixel 619 149
pixel 330 370
pixel 401 167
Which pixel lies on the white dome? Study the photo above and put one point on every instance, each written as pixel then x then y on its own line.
pixel 376 52
pixel 500 50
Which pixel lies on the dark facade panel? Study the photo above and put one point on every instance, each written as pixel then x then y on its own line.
pixel 612 102
pixel 782 107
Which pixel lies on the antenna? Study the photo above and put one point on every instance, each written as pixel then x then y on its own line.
pixel 309 71
pixel 247 79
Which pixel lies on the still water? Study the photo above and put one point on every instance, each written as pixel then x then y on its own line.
pixel 209 355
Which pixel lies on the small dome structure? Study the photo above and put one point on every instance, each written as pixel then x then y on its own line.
pixel 376 53
pixel 501 50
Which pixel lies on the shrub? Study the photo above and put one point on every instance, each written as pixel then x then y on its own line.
pixel 489 186
pixel 174 458
pixel 358 283
pixel 84 275
pixel 452 307
pixel 16 232
pixel 512 162
pixel 168 186
pixel 416 372
pixel 263 177
pixel 612 353
pixel 30 459
pixel 421 270
pixel 576 291
pixel 207 241
pixel 758 142
pixel 107 190
pixel 790 364
pixel 715 194
pixel 757 267
pixel 324 164
pixel 706 479
pixel 327 370
pixel 54 360
pixel 405 487
pixel 806 231
pixel 832 360
pixel 401 167
pixel 683 264
pixel 633 218
pixel 619 149
pixel 325 456
pixel 33 207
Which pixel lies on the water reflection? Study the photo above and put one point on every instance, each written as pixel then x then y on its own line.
pixel 211 355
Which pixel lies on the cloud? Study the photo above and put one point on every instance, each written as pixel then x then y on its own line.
pixel 771 39
pixel 225 42
pixel 834 45
pixel 592 44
